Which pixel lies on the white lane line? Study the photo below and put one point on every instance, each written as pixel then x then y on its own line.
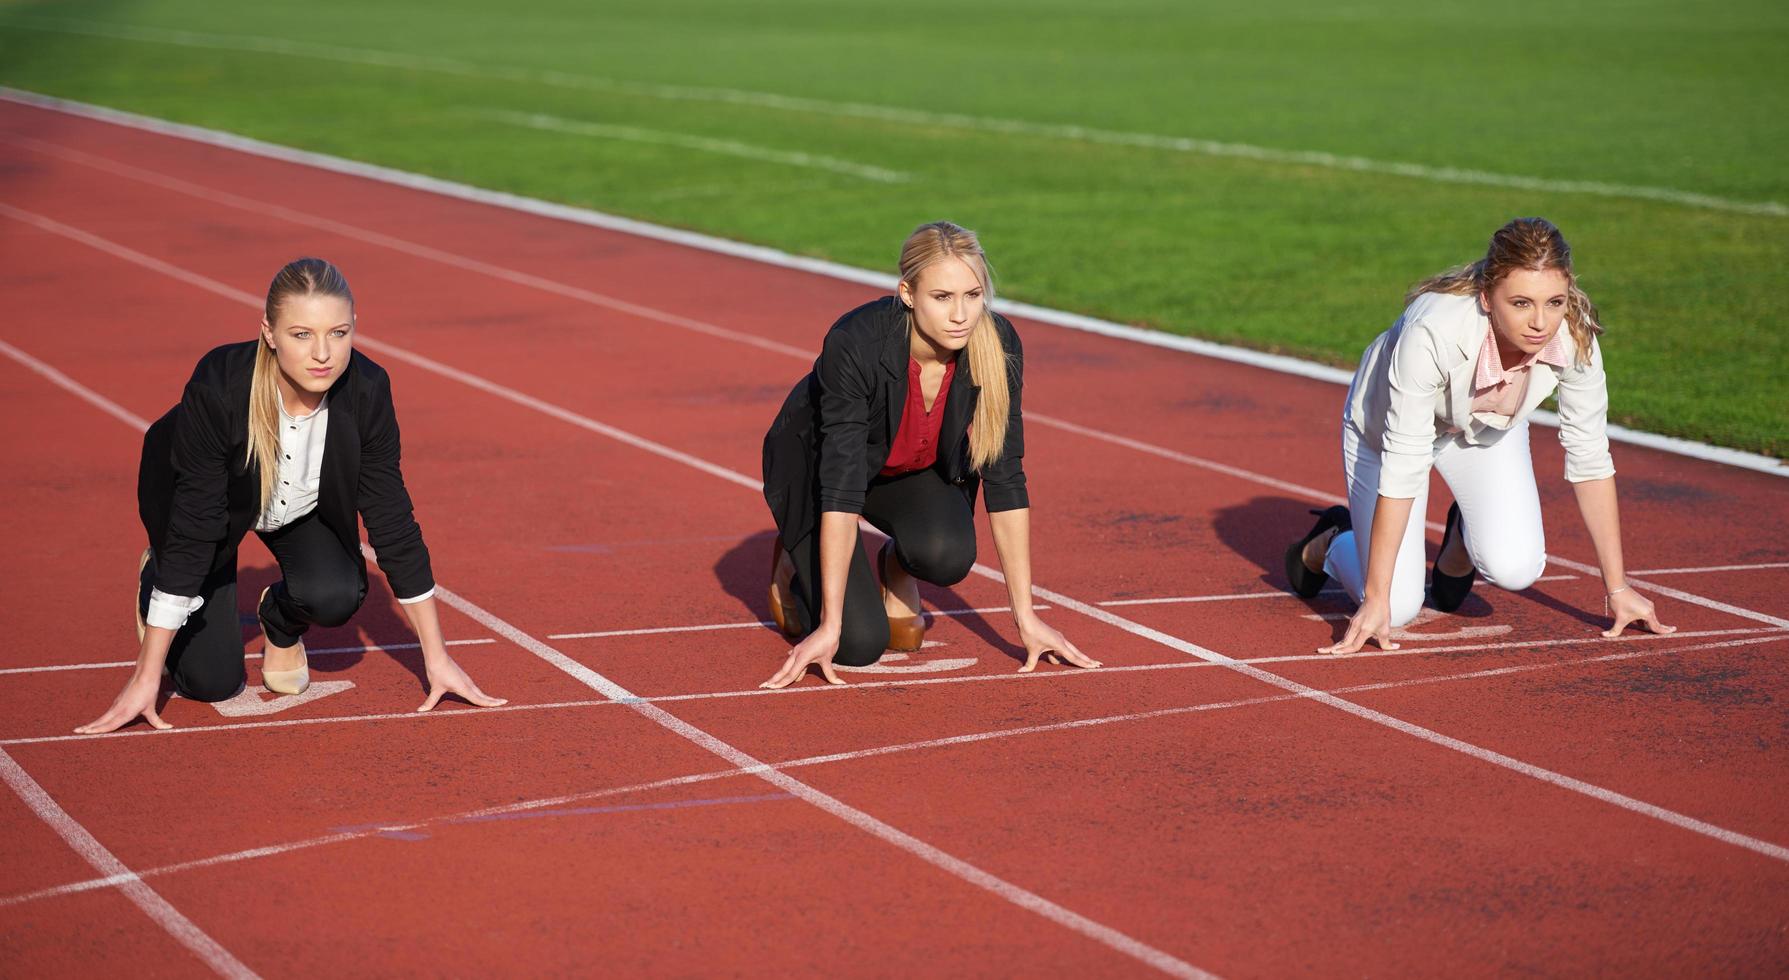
pixel 1678 594
pixel 709 627
pixel 733 148
pixel 633 309
pixel 1222 597
pixel 123 878
pixel 65 382
pixel 914 846
pixel 740 760
pixel 1060 132
pixel 322 652
pixel 1710 568
pixel 1411 650
pixel 588 795
pixel 773 257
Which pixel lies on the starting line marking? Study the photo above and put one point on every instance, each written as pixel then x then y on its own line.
pixel 403 831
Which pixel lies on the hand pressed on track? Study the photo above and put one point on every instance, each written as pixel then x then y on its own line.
pixel 1043 640
pixel 818 647
pixel 446 677
pixel 1371 622
pixel 137 698
pixel 1628 606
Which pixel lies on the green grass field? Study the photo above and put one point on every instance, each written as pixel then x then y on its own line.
pixel 831 127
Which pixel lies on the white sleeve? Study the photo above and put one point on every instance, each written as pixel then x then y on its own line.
pixel 1416 378
pixel 170 612
pixel 418 598
pixel 1584 419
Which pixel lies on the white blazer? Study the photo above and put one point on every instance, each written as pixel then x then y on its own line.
pixel 1414 389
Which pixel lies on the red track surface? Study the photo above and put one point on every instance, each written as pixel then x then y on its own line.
pixel 1272 836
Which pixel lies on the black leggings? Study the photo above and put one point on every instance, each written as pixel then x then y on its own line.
pixel 933 529
pixel 321 586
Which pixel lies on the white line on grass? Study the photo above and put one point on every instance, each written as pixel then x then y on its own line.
pixel 123 878
pixel 780 259
pixel 561 800
pixel 596 681
pixel 1061 132
pixel 634 134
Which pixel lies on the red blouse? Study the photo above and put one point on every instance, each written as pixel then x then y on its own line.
pixel 916 443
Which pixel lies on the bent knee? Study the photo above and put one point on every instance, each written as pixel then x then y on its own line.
pixel 1514 572
pixel 329 605
pixel 861 642
pixel 940 561
pixel 215 685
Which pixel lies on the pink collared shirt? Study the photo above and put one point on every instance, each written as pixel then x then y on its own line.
pixel 1497 391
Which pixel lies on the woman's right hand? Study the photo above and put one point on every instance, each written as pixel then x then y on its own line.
pixel 819 647
pixel 1371 621
pixel 137 698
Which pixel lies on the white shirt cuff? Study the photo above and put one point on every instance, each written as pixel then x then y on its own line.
pixel 418 598
pixel 170 612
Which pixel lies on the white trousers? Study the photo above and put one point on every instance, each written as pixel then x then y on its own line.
pixel 1500 516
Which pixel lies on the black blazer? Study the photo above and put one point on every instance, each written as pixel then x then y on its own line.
pixel 835 430
pixel 198 494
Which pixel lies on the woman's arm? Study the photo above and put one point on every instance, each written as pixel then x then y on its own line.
pixel 1602 518
pixel 838 540
pixel 1391 515
pixel 445 676
pixel 140 692
pixel 1012 539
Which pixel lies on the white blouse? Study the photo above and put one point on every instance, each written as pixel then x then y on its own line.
pixel 294 495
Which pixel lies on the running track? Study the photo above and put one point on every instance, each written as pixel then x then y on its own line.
pixel 582 413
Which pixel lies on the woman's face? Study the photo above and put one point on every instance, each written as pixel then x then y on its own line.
pixel 312 337
pixel 947 303
pixel 1526 308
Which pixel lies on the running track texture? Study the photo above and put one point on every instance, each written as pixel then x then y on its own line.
pixel 582 411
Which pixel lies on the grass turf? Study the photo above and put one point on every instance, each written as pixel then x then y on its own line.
pixel 672 124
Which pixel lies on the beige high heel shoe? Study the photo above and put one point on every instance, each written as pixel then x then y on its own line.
pixel 292 681
pixel 905 633
pixel 136 604
pixel 782 603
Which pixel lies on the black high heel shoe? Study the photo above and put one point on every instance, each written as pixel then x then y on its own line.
pixel 1304 581
pixel 1447 592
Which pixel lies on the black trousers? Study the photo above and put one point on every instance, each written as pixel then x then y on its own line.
pixel 320 585
pixel 933 528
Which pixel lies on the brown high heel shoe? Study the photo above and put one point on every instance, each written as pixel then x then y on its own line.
pixel 905 633
pixel 782 603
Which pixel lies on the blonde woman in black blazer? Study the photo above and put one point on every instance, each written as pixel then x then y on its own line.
pixel 290 435
pixel 911 407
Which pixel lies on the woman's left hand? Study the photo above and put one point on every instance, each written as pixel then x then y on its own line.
pixel 1628 606
pixel 1041 640
pixel 446 677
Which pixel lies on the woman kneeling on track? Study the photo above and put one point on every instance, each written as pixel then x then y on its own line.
pixel 289 434
pixel 912 404
pixel 1451 385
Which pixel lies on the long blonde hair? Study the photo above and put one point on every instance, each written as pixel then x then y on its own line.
pixel 940 240
pixel 300 277
pixel 1525 243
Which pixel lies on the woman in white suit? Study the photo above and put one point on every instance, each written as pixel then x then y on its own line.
pixel 1451 386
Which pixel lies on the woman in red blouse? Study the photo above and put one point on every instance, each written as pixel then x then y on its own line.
pixel 912 405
